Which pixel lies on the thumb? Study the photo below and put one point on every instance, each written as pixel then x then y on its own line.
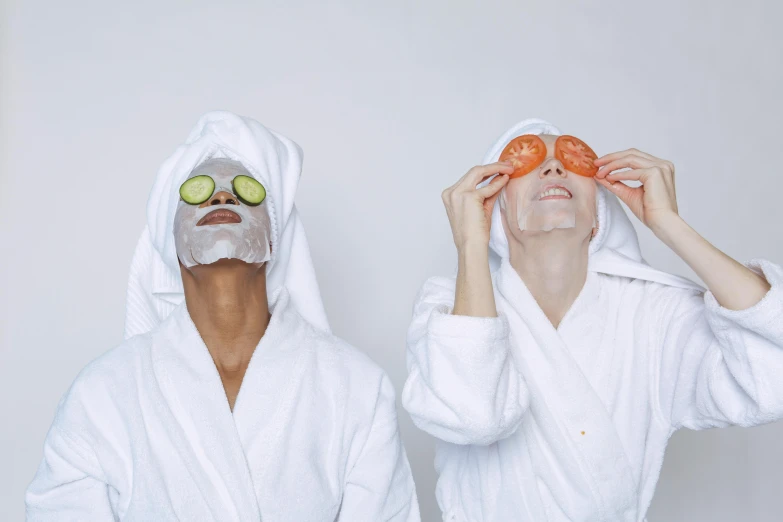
pixel 489 203
pixel 620 189
pixel 493 187
pixel 632 196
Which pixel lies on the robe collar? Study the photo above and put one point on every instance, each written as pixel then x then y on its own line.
pixel 214 442
pixel 565 408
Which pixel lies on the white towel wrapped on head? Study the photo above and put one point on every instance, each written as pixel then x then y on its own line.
pixel 155 284
pixel 614 250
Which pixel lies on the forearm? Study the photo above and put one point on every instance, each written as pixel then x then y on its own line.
pixel 734 286
pixel 474 295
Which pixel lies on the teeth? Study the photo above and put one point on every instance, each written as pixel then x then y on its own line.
pixel 555 192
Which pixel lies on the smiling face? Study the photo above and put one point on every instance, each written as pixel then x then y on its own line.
pixel 222 227
pixel 549 197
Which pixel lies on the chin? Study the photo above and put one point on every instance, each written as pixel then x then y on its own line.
pixel 225 264
pixel 564 234
pixel 228 262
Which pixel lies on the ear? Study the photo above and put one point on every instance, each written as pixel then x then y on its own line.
pixel 595 231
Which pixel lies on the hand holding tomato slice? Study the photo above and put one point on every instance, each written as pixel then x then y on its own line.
pixel 656 199
pixel 470 208
pixel 525 153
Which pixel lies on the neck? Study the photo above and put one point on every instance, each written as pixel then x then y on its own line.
pixel 553 266
pixel 227 302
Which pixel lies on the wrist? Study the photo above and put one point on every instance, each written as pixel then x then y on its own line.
pixel 473 261
pixel 665 220
pixel 474 294
pixel 668 226
pixel 473 248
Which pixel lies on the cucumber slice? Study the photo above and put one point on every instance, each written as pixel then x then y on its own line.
pixel 248 190
pixel 197 189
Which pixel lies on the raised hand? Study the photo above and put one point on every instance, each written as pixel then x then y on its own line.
pixel 470 208
pixel 656 199
pixel 470 215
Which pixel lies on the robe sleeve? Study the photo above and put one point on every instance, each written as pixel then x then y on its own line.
pixel 721 367
pixel 379 484
pixel 463 386
pixel 69 484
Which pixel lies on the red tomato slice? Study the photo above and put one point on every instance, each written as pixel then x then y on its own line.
pixel 525 152
pixel 576 156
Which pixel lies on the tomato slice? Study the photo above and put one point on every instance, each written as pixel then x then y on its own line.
pixel 576 156
pixel 525 152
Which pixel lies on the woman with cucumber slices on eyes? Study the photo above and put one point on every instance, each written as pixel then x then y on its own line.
pixel 229 400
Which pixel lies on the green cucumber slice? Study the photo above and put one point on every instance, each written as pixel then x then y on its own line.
pixel 248 190
pixel 197 189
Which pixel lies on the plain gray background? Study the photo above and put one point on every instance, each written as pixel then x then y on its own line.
pixel 391 105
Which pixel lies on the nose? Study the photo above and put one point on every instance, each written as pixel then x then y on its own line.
pixel 552 167
pixel 220 198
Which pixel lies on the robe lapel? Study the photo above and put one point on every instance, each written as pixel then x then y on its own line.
pixel 578 432
pixel 200 421
pixel 270 376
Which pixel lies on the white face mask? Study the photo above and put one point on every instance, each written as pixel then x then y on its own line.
pixel 542 207
pixel 248 240
pixel 538 205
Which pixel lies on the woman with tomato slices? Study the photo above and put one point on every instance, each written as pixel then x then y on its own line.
pixel 556 365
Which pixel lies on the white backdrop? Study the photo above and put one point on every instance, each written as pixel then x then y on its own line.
pixel 391 104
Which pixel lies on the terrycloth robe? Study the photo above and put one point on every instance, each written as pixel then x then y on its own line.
pixel 538 423
pixel 146 433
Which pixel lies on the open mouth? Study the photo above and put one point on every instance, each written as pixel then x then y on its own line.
pixel 219 216
pixel 554 192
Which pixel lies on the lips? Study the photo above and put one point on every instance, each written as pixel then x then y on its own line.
pixel 554 192
pixel 219 216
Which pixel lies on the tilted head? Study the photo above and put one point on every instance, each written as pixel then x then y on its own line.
pixel 546 195
pixel 222 214
pixel 614 248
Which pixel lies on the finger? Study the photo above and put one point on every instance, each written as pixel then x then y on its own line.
pixel 605 183
pixel 621 190
pixel 500 167
pixel 617 155
pixel 634 175
pixel 490 201
pixel 625 162
pixel 478 174
pixel 465 176
pixel 494 186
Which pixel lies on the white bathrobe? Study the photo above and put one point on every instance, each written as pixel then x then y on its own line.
pixel 145 433
pixel 571 424
pixel 543 424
